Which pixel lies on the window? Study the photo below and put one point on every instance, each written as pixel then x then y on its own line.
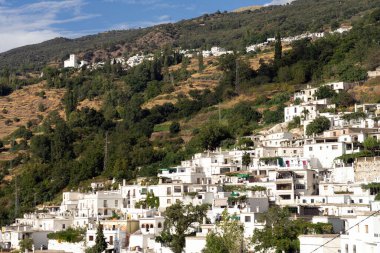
pixel 312 200
pixel 111 240
pixel 354 249
pixel 63 226
pixel 151 225
pixel 116 203
pixel 304 201
pixel 346 248
pixel 334 147
pixel 360 201
pixel 310 148
pixel 159 225
pixel 169 191
pixel 91 238
pixel 143 226
pixel 300 186
pixel 169 201
pixel 105 203
pixel 177 189
pixel 247 219
pixel 366 229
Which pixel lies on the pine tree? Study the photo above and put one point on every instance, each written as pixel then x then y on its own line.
pixel 100 241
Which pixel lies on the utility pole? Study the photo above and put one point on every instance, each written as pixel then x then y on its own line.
pixel 105 153
pixel 237 88
pixel 220 114
pixel 16 198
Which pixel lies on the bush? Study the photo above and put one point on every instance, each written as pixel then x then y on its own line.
pixel 175 127
pixel 272 117
pixel 41 107
pixel 69 235
pixel 295 123
pixel 8 122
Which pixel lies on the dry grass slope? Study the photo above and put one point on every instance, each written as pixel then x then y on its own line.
pixel 23 105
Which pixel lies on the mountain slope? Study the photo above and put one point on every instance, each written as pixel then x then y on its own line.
pixel 231 30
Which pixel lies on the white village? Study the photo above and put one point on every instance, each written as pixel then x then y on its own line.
pixel 308 174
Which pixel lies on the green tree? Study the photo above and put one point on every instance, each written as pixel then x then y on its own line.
pixel 70 102
pixel 278 49
pixel 180 222
pixel 40 146
pixel 280 233
pixel 227 238
pixel 100 241
pixel 318 126
pixel 26 244
pixel 371 144
pixel 175 127
pixel 211 136
pixel 246 159
pixel 201 65
pixel 325 92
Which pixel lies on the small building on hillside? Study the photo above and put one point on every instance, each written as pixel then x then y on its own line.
pixel 72 62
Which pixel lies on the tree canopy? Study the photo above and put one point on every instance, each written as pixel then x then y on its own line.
pixel 180 222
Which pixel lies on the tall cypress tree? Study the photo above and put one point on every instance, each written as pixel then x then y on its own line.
pixel 100 241
pixel 278 48
pixel 201 65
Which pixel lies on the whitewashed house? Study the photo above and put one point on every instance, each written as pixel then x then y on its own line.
pixel 72 62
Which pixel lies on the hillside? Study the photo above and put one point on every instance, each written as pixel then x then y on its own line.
pixel 27 104
pixel 231 30
pixel 124 124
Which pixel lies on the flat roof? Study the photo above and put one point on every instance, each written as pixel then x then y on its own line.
pixel 320 235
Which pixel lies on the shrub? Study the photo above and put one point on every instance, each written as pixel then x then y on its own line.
pixel 8 122
pixel 69 235
pixel 41 107
pixel 175 127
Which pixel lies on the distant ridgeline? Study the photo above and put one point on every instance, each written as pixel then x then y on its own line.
pixel 234 30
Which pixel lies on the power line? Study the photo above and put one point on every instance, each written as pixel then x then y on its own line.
pixel 345 231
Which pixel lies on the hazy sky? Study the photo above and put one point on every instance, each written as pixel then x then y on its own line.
pixel 24 22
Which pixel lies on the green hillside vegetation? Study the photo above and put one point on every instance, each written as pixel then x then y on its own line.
pixel 231 30
pixel 65 151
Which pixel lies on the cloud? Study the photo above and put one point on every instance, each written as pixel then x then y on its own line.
pixel 142 24
pixel 164 17
pixel 279 2
pixel 34 23
pixel 139 2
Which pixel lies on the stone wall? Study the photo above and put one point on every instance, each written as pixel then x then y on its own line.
pixel 367 169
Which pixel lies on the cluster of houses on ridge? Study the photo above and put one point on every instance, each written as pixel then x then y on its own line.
pixel 285 168
pixel 74 62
